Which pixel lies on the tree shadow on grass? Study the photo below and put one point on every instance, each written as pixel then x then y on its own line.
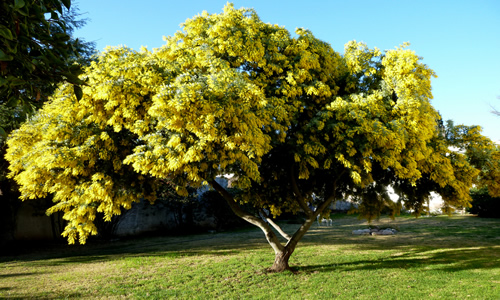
pixel 448 260
pixel 223 244
pixel 81 259
pixel 18 275
pixel 43 296
pixel 415 236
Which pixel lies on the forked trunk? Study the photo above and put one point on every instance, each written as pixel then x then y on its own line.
pixel 281 261
pixel 282 252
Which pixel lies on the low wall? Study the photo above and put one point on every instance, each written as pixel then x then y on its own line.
pixel 31 224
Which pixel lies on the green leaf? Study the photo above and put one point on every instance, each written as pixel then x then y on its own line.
pixel 75 69
pixel 54 60
pixel 24 12
pixel 13 101
pixel 11 47
pixel 62 37
pixel 78 92
pixel 67 3
pixel 5 57
pixel 14 81
pixel 3 133
pixel 18 4
pixel 54 15
pixel 6 33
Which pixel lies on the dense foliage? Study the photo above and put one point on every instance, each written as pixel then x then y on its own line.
pixel 483 204
pixel 298 125
pixel 37 51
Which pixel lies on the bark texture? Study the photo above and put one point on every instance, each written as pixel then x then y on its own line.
pixel 281 261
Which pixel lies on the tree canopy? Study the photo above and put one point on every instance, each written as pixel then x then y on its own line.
pixel 297 123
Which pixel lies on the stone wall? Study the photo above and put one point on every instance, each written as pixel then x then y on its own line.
pixel 144 217
pixel 31 224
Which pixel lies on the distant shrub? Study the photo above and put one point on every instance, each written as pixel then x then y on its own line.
pixel 483 204
pixel 212 203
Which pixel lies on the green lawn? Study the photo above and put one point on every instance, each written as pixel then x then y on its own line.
pixel 430 258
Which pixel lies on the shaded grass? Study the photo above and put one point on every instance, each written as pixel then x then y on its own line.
pixel 438 257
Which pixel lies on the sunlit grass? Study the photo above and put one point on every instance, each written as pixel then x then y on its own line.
pixel 438 257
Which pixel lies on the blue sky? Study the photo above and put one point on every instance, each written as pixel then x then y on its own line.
pixel 459 40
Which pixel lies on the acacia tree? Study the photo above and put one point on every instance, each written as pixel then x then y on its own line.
pixel 298 124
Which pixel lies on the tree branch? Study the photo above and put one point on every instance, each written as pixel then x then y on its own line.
pixel 298 195
pixel 297 236
pixel 275 226
pixel 271 237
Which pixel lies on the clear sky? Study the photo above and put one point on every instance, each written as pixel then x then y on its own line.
pixel 459 40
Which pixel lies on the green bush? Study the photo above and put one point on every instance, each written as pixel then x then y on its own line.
pixel 215 206
pixel 483 204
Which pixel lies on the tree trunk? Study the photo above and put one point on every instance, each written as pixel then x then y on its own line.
pixel 428 207
pixel 281 261
pixel 282 253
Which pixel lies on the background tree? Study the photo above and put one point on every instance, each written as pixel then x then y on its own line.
pixel 298 124
pixel 483 204
pixel 485 155
pixel 494 110
pixel 37 52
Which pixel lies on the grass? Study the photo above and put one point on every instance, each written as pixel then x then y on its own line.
pixel 434 258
